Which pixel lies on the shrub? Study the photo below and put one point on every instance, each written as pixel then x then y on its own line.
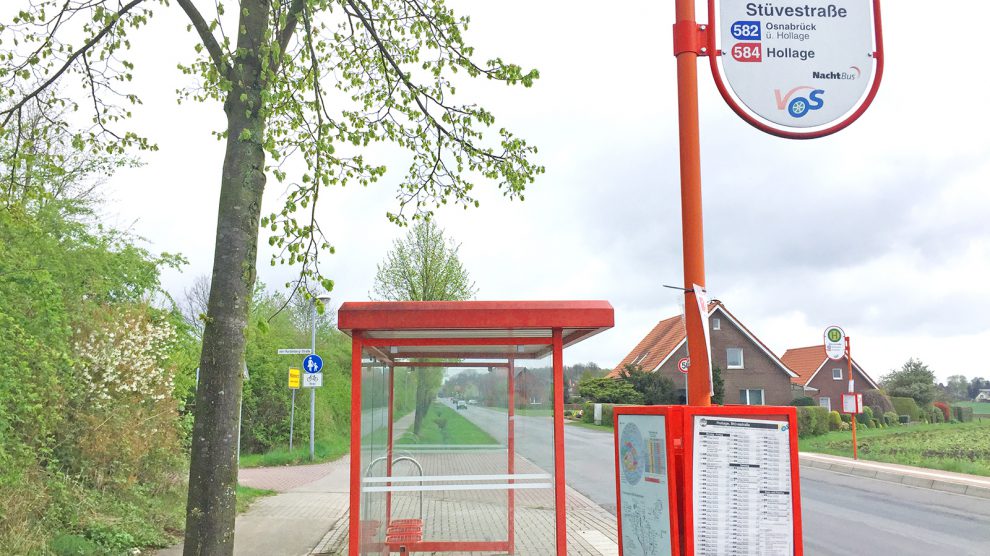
pixel 812 421
pixel 907 406
pixel 890 418
pixel 963 414
pixel 834 421
pixel 877 400
pixel 607 413
pixel 610 390
pixel 588 413
pixel 903 419
pixel 935 415
pixel 803 401
pixel 944 408
pixel 846 418
pixel 874 424
pixel 865 417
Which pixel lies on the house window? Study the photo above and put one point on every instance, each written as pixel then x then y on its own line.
pixel 640 357
pixel 825 402
pixel 716 324
pixel 751 397
pixel 837 374
pixel 734 358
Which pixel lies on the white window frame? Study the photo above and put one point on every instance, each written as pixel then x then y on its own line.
pixel 840 373
pixel 716 323
pixel 639 359
pixel 742 361
pixel 828 402
pixel 763 396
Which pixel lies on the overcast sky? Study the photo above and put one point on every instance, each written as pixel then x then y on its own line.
pixel 881 229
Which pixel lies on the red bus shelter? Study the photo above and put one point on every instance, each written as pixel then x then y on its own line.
pixel 485 471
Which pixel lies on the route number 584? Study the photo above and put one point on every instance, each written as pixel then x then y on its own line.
pixel 747 52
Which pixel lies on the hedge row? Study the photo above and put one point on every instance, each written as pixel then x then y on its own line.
pixel 962 414
pixel 812 421
pixel 907 406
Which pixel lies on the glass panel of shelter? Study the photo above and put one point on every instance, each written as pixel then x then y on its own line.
pixel 467 468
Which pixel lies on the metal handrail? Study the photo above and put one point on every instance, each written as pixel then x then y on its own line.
pixel 410 459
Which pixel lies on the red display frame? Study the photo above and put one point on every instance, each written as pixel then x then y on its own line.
pixel 680 461
pixel 673 421
pixel 773 413
pixel 766 127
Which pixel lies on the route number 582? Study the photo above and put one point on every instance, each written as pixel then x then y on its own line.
pixel 746 31
pixel 747 52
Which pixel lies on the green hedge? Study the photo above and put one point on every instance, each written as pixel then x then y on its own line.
pixel 891 419
pixel 962 414
pixel 803 401
pixel 812 421
pixel 865 417
pixel 907 406
pixel 834 421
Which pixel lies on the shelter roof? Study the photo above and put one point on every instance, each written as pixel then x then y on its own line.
pixel 476 330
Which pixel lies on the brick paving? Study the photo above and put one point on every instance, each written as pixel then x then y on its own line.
pixel 285 478
pixel 481 515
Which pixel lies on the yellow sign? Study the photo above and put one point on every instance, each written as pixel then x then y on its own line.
pixel 294 379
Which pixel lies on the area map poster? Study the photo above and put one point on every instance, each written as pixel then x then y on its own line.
pixel 644 505
pixel 741 487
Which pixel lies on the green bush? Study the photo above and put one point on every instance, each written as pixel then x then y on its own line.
pixel 812 421
pixel 890 418
pixel 610 390
pixel 878 401
pixel 588 413
pixel 865 417
pixel 907 406
pixel 803 401
pixel 834 421
pixel 935 415
pixel 962 414
pixel 608 411
pixel 846 418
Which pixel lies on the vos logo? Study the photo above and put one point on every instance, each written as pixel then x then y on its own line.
pixel 799 106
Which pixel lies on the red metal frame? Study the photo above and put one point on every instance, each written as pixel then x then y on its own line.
pixel 748 412
pixel 511 397
pixel 567 321
pixel 762 125
pixel 674 421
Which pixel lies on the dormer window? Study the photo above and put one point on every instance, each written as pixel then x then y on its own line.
pixel 716 323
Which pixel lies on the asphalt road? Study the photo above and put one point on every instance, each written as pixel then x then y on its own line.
pixel 842 515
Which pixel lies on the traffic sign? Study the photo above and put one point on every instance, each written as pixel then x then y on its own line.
pixel 797 71
pixel 312 380
pixel 683 364
pixel 295 351
pixel 294 379
pixel 313 363
pixel 835 342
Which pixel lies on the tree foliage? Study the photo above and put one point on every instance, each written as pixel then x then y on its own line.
pixel 305 84
pixel 914 380
pixel 609 390
pixel 655 388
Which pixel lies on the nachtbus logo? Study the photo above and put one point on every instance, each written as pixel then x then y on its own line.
pixel 853 74
pixel 799 106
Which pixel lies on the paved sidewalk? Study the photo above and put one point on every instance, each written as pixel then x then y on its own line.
pixel 934 479
pixel 293 522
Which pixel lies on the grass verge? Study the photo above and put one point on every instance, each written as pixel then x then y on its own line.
pixel 247 495
pixel 443 425
pixel 962 447
pixel 323 450
pixel 591 426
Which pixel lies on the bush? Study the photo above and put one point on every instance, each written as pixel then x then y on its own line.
pixel 803 401
pixel 608 411
pixel 834 421
pixel 878 401
pixel 865 417
pixel 907 406
pixel 935 415
pixel 963 414
pixel 588 413
pixel 944 408
pixel 846 418
pixel 610 390
pixel 812 421
pixel 891 419
pixel 903 419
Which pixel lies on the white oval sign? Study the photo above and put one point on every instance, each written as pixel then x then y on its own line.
pixel 797 68
pixel 835 342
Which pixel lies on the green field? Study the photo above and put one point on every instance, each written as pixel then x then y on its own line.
pixel 979 408
pixel 443 425
pixel 962 447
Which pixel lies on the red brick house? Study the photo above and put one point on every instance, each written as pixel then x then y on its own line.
pixel 824 379
pixel 753 375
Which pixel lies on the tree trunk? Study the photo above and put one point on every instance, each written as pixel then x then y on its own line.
pixel 211 505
